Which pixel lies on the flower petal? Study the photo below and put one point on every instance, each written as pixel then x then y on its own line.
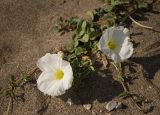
pixel 68 79
pixel 119 36
pixel 49 62
pixel 126 50
pixel 105 37
pixel 48 85
pixel 116 57
pixel 44 79
pixel 126 31
pixel 64 64
pixel 108 33
pixel 121 28
pixel 68 74
pixel 56 89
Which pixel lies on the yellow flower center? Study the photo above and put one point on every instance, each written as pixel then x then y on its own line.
pixel 111 44
pixel 59 74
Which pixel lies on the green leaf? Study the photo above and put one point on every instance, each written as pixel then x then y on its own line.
pixel 9 93
pixel 91 14
pixel 57 28
pixel 25 78
pixel 84 25
pixel 121 78
pixel 79 26
pixel 94 47
pixel 118 2
pixel 84 62
pixel 124 94
pixel 92 29
pixel 71 56
pixel 79 51
pixel 74 20
pixel 13 80
pixel 143 5
pixel 76 43
pixel 85 38
pixel 93 35
pixel 81 33
pixel 70 47
pixel 108 8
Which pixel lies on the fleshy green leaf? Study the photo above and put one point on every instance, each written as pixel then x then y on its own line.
pixel 81 33
pixel 108 8
pixel 79 26
pixel 76 43
pixel 118 2
pixel 84 25
pixel 95 47
pixel 71 56
pixel 91 14
pixel 93 35
pixel 84 62
pixel 79 51
pixel 85 38
pixel 143 5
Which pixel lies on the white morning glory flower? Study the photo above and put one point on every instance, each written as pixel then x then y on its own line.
pixel 115 43
pixel 56 76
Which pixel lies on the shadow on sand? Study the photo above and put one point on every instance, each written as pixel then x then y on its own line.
pixel 99 87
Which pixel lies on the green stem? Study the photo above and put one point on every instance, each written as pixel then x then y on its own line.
pixel 119 70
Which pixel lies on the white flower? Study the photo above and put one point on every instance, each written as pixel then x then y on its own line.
pixel 56 76
pixel 115 43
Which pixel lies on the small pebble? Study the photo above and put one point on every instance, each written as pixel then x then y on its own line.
pixel 142 88
pixel 94 113
pixel 119 105
pixel 107 114
pixel 100 111
pixel 87 106
pixel 150 87
pixel 111 105
pixel 69 101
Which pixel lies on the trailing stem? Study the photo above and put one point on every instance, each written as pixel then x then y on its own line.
pixel 124 84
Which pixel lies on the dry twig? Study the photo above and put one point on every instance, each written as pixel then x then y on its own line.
pixel 140 24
